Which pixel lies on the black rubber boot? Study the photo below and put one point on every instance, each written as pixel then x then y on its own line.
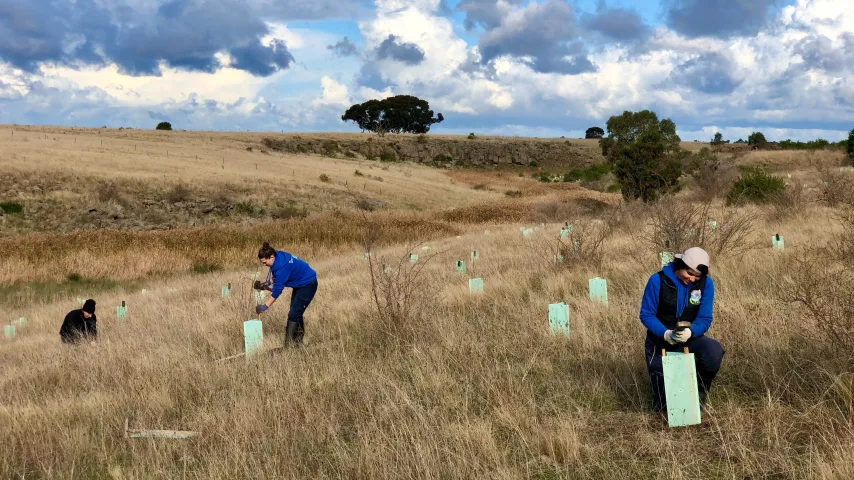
pixel 295 333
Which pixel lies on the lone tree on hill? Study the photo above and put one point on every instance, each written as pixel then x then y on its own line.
pixel 719 139
pixel 644 153
pixel 594 132
pixel 398 114
pixel 756 138
pixel 164 126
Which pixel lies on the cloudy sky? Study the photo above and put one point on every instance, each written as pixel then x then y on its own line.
pixel 503 67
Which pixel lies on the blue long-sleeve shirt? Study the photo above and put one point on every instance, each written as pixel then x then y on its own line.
pixel 289 271
pixel 649 304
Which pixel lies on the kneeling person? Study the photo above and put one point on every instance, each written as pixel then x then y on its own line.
pixel 677 311
pixel 288 271
pixel 80 324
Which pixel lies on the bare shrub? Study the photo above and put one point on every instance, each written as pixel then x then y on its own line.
pixel 712 178
pixel 675 226
pixel 823 287
pixel 790 202
pixel 837 188
pixel 365 204
pixel 583 245
pixel 178 193
pixel 844 245
pixel 109 192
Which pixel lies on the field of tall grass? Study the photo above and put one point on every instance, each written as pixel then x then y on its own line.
pixel 407 374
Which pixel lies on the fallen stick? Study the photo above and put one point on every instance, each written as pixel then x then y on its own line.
pixel 142 433
pixel 243 354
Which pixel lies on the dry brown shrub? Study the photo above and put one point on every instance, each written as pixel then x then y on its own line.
pixel 675 226
pixel 713 179
pixel 837 188
pixel 178 193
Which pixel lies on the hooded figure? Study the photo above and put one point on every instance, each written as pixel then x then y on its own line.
pixel 677 311
pixel 80 323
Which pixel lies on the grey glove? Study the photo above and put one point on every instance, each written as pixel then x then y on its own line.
pixel 683 335
pixel 668 337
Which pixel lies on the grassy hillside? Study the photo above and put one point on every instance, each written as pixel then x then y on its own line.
pixel 406 374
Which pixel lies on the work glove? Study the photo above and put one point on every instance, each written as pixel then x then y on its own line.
pixel 261 309
pixel 668 337
pixel 260 286
pixel 683 335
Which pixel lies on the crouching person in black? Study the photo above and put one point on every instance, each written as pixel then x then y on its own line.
pixel 80 324
pixel 677 311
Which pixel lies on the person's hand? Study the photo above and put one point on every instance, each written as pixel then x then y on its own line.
pixel 668 337
pixel 683 336
pixel 261 309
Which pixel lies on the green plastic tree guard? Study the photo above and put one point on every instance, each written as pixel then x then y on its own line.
pixel 226 291
pixel 713 224
pixel 559 318
pixel 528 232
pixel 9 332
pixel 680 388
pixel 486 232
pixel 20 323
pixel 122 311
pixel 475 256
pixel 557 259
pixel 599 290
pixel 79 302
pixel 565 231
pixel 461 266
pixel 253 337
pixel 387 268
pixel 413 258
pixel 144 291
pixel 666 257
pixel 777 242
pixel 476 285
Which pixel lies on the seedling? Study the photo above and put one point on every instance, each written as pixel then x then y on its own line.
pixel 253 337
pixel 599 290
pixel 559 318
pixel 680 388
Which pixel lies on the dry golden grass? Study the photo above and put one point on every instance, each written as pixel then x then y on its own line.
pixel 463 387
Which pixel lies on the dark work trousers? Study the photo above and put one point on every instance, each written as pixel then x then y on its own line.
pixel 301 298
pixel 708 354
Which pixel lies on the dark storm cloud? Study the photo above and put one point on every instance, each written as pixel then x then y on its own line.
pixel 344 48
pixel 718 18
pixel 185 34
pixel 483 13
pixel 710 73
pixel 617 24
pixel 546 32
pixel 408 53
pixel 820 52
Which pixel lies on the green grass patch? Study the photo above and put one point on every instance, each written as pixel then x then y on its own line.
pixel 201 268
pixel 11 207
pixel 20 295
pixel 755 186
pixel 590 173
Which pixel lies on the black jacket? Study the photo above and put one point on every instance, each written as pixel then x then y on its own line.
pixel 76 325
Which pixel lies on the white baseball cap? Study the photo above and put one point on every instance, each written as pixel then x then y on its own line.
pixel 694 258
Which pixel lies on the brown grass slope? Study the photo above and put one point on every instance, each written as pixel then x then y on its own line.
pixel 461 386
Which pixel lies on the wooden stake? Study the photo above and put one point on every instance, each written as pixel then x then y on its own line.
pixel 144 433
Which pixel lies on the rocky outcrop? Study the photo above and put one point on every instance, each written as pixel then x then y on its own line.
pixel 424 149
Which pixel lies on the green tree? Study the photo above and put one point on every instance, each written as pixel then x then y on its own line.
pixel 850 148
pixel 398 114
pixel 756 138
pixel 594 132
pixel 164 126
pixel 719 139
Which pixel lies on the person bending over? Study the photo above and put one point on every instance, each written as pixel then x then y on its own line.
pixel 288 271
